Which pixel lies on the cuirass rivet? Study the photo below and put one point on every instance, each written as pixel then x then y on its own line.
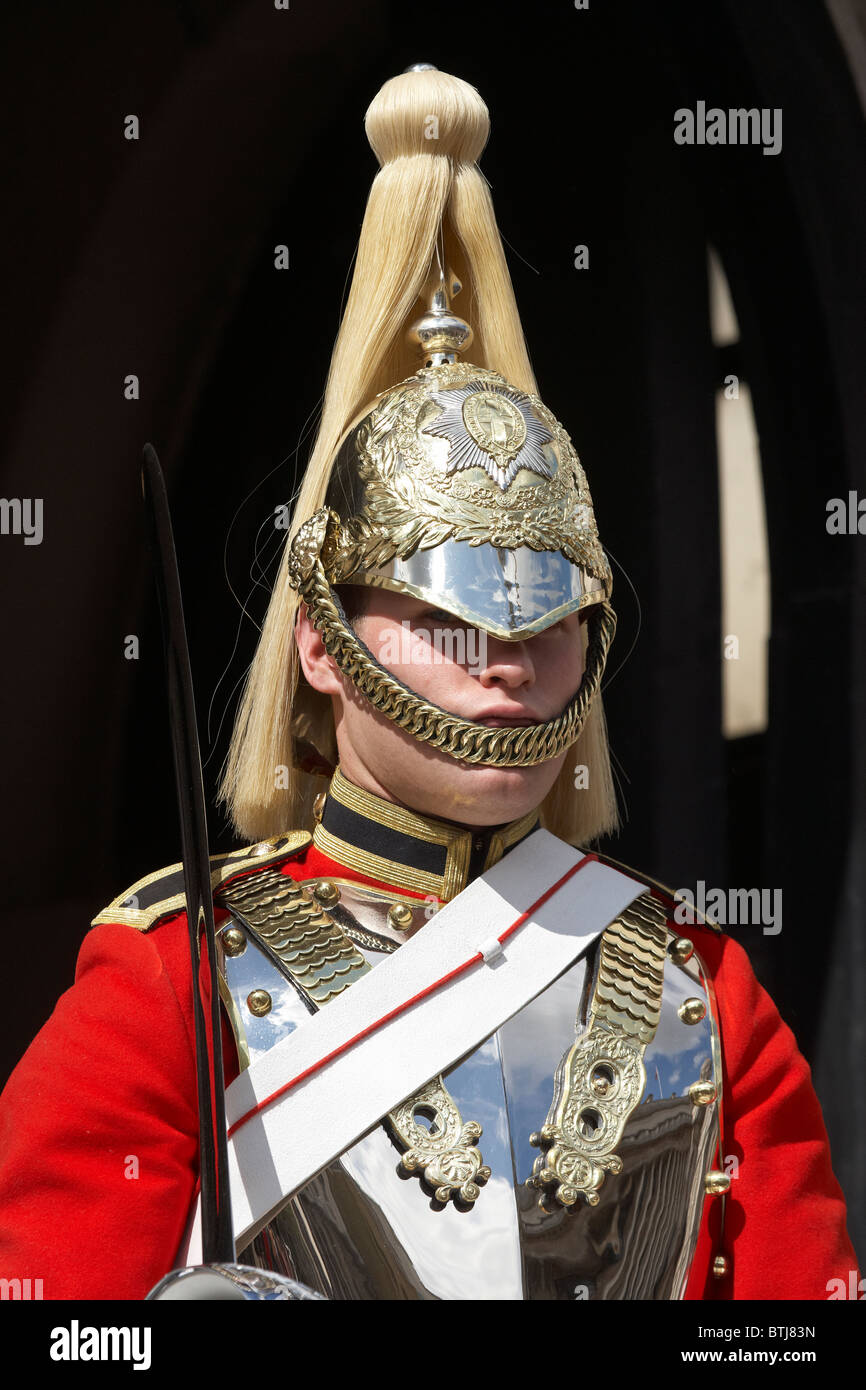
pixel 692 1010
pixel 720 1267
pixel 716 1183
pixel 326 893
pixel 702 1093
pixel 400 916
pixel 234 941
pixel 259 1002
pixel 681 950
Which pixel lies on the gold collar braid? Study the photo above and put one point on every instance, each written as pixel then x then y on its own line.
pixel 462 739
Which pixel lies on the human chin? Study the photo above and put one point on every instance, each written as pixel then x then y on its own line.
pixel 434 784
pixel 480 795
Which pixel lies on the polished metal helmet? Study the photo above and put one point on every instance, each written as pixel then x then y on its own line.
pixel 458 488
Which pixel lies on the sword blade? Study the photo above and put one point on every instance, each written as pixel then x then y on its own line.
pixel 217 1236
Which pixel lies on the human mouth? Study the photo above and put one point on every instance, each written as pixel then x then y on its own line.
pixel 508 721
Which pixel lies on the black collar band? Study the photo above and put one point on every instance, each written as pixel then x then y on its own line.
pixel 384 841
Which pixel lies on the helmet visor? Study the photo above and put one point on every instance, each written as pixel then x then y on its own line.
pixel 510 594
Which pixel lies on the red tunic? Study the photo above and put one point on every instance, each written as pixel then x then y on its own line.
pixel 98 1129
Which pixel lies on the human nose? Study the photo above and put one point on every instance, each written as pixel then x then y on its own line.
pixel 508 664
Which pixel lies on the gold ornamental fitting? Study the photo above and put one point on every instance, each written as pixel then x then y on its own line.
pixel 401 917
pixel 716 1183
pixel 702 1092
pixel 326 893
pixel 259 1002
pixel 681 950
pixel 319 806
pixel 692 1010
pixel 234 941
pixel 720 1267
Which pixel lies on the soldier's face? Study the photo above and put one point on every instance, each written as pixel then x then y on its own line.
pixel 463 671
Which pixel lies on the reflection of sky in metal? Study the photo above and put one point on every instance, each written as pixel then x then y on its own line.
pixel 471 1254
pixel 253 970
pixel 679 1050
pixel 508 589
pixel 533 1043
pixel 457 1254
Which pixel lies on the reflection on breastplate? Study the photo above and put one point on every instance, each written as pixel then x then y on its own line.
pixel 363 1229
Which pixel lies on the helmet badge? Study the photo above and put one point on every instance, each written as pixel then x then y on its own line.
pixel 491 428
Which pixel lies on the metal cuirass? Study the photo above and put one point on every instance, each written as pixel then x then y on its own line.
pixel 624 1042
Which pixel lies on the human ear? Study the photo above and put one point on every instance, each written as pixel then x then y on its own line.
pixel 317 666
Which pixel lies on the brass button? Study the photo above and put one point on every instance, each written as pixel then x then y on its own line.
pixel 319 805
pixel 259 1002
pixel 326 893
pixel 702 1093
pixel 234 941
pixel 692 1010
pixel 400 916
pixel 716 1183
pixel 681 950
pixel 720 1267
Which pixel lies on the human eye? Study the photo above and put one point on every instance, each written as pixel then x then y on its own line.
pixel 566 627
pixel 437 615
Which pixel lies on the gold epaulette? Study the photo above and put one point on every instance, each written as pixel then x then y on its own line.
pixel 702 919
pixel 161 894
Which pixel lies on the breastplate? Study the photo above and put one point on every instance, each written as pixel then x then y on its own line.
pixel 366 1229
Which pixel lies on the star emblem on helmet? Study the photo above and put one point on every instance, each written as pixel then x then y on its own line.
pixel 491 428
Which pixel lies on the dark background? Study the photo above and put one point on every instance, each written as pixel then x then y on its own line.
pixel 155 257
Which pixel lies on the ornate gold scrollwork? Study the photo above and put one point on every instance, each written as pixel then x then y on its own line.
pixel 446 1155
pixel 601 1079
pixel 415 498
